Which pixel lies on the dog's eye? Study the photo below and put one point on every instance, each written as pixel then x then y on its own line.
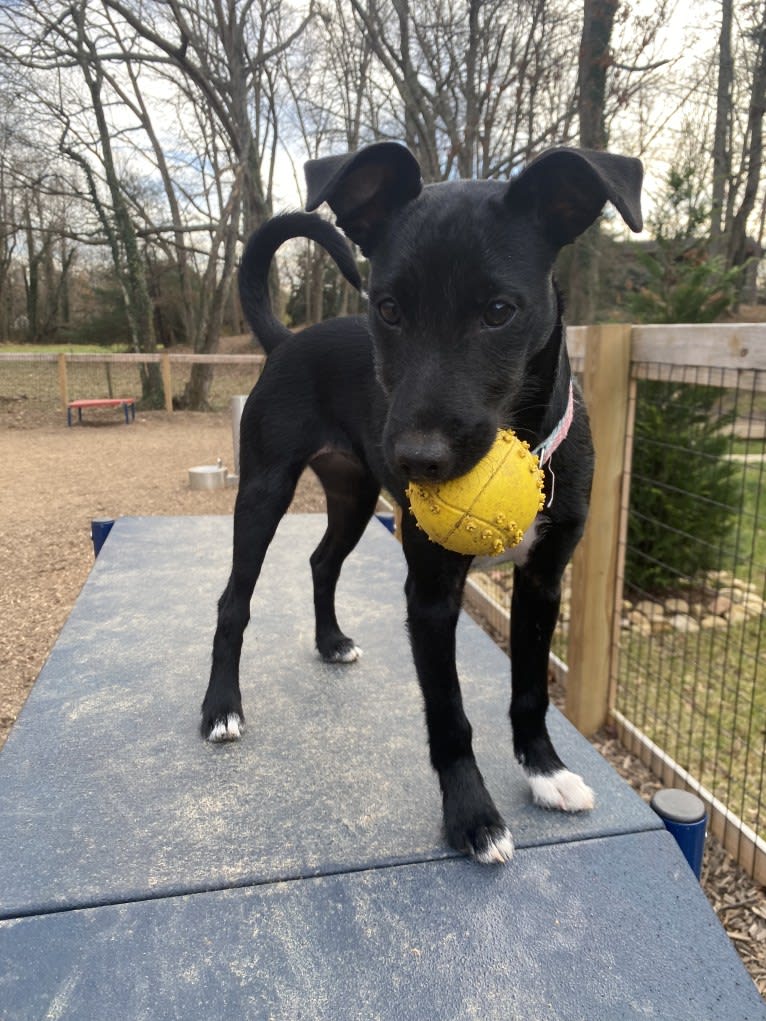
pixel 389 311
pixel 498 313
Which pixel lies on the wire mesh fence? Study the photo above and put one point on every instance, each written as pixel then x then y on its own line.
pixel 691 657
pixel 29 378
pixel 47 381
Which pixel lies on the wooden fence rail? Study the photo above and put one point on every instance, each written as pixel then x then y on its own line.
pixel 165 359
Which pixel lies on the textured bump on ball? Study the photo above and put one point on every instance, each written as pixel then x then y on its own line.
pixel 487 510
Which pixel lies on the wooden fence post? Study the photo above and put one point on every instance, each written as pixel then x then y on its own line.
pixel 63 381
pixel 167 380
pixel 606 383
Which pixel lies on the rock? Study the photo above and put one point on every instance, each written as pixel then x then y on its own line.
pixel 753 605
pixel 650 609
pixel 676 606
pixel 718 578
pixel 736 615
pixel 720 605
pixel 684 623
pixel 711 621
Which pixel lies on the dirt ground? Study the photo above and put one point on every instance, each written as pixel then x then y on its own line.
pixel 58 479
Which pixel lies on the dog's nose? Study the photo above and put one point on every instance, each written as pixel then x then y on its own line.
pixel 423 457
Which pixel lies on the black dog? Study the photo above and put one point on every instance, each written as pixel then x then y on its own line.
pixel 464 336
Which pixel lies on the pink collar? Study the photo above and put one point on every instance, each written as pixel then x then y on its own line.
pixel 546 449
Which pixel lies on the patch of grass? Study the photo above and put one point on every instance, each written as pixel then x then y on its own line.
pixel 702 698
pixel 752 532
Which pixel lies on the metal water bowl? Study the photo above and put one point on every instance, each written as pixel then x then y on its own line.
pixel 207 476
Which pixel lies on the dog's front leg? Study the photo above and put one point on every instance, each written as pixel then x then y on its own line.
pixel 261 503
pixel 534 611
pixel 434 588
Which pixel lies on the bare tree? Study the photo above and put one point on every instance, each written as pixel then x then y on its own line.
pixel 61 46
pixel 45 281
pixel 722 135
pixel 9 225
pixel 594 61
pixel 99 68
pixel 613 72
pixel 223 53
pixel 750 169
pixel 200 239
pixel 737 163
pixel 479 86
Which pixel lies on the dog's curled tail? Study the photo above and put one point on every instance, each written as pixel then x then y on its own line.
pixel 256 260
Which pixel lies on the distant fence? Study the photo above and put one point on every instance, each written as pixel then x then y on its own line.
pixel 681 673
pixel 49 379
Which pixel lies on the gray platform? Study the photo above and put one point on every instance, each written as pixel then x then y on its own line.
pixel 301 872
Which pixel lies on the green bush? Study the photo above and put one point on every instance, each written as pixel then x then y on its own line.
pixel 681 286
pixel 681 500
pixel 682 493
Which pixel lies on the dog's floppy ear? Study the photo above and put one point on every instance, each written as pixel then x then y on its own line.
pixel 568 189
pixel 364 188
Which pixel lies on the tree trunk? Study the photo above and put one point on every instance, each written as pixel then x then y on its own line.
pixel 721 138
pixel 317 284
pixel 738 246
pixel 595 58
pixel 196 396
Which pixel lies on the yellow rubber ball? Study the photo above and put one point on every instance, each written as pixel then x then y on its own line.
pixel 487 510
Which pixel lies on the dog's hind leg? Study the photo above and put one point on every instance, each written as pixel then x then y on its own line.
pixel 434 589
pixel 260 505
pixel 352 493
pixel 534 611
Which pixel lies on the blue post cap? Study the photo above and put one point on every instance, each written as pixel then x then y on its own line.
pixel 678 806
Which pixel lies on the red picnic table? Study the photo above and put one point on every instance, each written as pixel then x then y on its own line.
pixel 128 405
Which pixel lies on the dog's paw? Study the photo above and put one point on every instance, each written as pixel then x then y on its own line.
pixel 226 728
pixel 341 652
pixel 563 790
pixel 491 845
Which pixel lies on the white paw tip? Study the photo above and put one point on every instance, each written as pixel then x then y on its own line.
pixel 563 790
pixel 498 851
pixel 229 729
pixel 350 655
